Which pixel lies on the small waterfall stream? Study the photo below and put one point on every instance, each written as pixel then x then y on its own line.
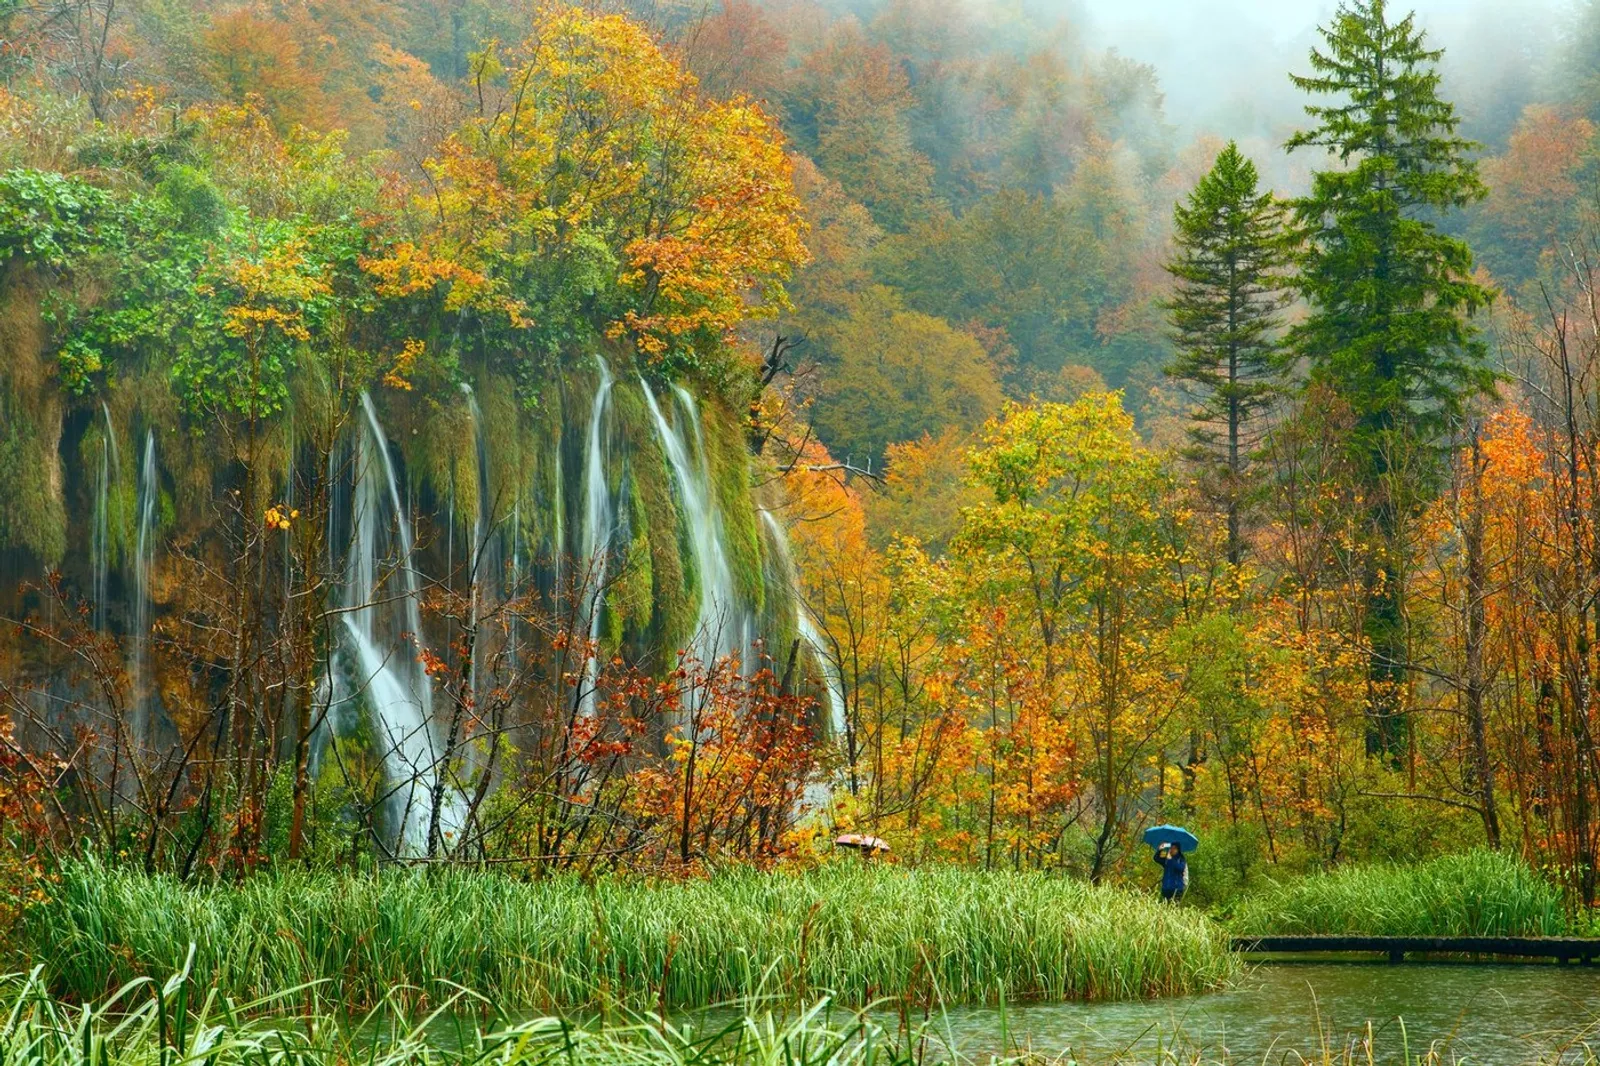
pixel 558 538
pixel 394 682
pixel 143 562
pixel 721 628
pixel 481 562
pixel 807 626
pixel 100 546
pixel 599 521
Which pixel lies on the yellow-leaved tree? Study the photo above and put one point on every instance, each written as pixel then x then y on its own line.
pixel 595 189
pixel 1080 551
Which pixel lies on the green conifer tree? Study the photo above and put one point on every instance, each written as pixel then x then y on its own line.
pixel 1390 294
pixel 1225 317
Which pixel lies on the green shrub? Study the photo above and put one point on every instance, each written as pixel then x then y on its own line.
pixel 1479 893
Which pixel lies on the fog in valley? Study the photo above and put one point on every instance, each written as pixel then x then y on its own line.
pixel 1223 63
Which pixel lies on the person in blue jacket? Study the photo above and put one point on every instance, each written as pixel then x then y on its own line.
pixel 1174 872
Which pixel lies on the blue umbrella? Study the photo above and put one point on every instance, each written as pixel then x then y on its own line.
pixel 1157 835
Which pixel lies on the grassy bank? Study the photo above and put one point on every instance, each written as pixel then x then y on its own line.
pixel 1480 893
pixel 145 1024
pixel 174 1024
pixel 856 933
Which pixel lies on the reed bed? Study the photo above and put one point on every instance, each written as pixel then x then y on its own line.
pixel 1478 893
pixel 145 1024
pixel 173 1024
pixel 853 933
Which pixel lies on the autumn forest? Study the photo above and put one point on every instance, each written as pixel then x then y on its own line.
pixel 639 442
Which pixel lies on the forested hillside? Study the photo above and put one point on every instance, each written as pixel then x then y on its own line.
pixel 656 434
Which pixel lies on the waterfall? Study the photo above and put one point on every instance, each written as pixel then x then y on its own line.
pixel 143 562
pixel 832 681
pixel 396 684
pixel 558 541
pixel 598 525
pixel 703 521
pixel 837 721
pixel 480 563
pixel 515 578
pixel 100 548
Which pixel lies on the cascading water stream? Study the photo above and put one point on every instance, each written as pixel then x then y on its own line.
pixel 143 562
pixel 396 684
pixel 110 468
pixel 598 524
pixel 558 540
pixel 715 630
pixel 515 577
pixel 832 681
pixel 480 562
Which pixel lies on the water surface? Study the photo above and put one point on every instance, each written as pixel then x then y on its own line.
pixel 1499 1014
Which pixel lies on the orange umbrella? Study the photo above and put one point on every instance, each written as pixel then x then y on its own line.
pixel 865 843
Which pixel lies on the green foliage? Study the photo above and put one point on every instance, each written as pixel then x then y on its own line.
pixel 1015 261
pixel 166 278
pixel 1225 318
pixel 629 601
pixel 199 206
pixel 1047 270
pixel 53 220
pixel 855 932
pixel 564 299
pixel 1390 293
pixel 1479 893
pixel 1580 60
pixel 274 298
pixel 1073 526
pixel 899 374
pixel 149 304
pixel 849 109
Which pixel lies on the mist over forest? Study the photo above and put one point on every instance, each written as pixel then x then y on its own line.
pixel 1223 64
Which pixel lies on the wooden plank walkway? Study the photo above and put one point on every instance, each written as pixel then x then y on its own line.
pixel 1565 949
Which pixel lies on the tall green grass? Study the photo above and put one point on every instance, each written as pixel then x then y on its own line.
pixel 1478 893
pixel 150 1024
pixel 175 1024
pixel 855 933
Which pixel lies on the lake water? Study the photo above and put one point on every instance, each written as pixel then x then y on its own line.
pixel 1496 1014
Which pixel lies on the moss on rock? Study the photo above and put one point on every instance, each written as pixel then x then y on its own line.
pixel 33 512
pixel 659 528
pixel 729 463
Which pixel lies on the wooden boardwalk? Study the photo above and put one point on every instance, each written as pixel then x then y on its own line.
pixel 1562 948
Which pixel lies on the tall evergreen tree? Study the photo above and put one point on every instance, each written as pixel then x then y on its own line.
pixel 1229 266
pixel 1390 295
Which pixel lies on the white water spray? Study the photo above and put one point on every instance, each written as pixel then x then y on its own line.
pixel 599 521
pixel 100 548
pixel 715 635
pixel 832 681
pixel 396 684
pixel 480 561
pixel 143 562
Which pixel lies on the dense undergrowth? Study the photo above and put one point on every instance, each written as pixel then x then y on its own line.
pixel 855 933
pixel 1478 893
